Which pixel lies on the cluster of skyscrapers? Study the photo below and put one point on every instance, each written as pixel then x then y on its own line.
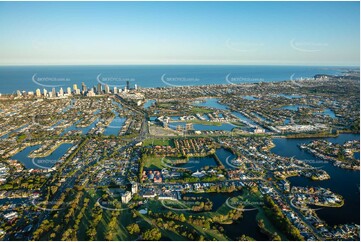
pixel 93 91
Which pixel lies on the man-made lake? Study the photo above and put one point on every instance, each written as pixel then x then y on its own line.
pixel 224 156
pixel 328 112
pixel 244 118
pixel 294 107
pixel 344 182
pixel 5 136
pixel 211 103
pixel 251 98
pixel 247 225
pixel 84 130
pixel 148 103
pixel 115 126
pixel 289 96
pixel 43 162
pixel 197 163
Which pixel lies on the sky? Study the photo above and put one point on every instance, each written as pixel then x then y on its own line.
pixel 225 33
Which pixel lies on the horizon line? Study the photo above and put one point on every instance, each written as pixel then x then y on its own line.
pixel 172 64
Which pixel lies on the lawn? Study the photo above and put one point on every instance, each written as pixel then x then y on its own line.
pixel 200 110
pixel 154 163
pixel 162 142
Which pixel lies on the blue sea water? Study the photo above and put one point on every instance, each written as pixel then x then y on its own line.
pixel 29 78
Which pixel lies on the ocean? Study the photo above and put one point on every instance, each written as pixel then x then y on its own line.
pixel 29 78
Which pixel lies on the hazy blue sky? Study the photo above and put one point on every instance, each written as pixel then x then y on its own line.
pixel 285 33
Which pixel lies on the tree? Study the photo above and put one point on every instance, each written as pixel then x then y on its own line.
pixel 152 234
pixel 52 235
pixel 109 236
pixel 133 228
pixel 245 238
pixel 182 218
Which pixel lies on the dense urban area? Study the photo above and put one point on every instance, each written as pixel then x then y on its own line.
pixel 177 162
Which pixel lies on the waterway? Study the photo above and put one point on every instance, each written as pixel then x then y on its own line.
pixel 224 156
pixel 211 103
pixel 5 136
pixel 247 225
pixel 251 98
pixel 344 182
pixel 294 107
pixel 197 163
pixel 148 103
pixel 294 96
pixel 115 126
pixel 43 162
pixel 84 130
pixel 327 112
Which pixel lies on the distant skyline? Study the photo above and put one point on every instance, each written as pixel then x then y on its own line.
pixel 187 33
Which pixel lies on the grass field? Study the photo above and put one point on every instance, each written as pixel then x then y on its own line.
pixel 162 142
pixel 154 163
pixel 200 110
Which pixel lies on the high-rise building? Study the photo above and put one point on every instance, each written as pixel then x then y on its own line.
pixel 83 87
pixel 45 92
pixel 75 87
pixel 61 92
pixel 53 92
pixel 99 89
pixel 128 85
pixel 38 92
pixel 115 90
pixel 135 86
pixel 106 87
pixel 18 93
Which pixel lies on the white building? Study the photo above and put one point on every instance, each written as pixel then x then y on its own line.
pixel 38 92
pixel 61 92
pixel 106 88
pixel 259 130
pixel 126 197
pixel 134 187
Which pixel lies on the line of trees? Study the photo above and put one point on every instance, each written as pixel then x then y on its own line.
pixel 275 214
